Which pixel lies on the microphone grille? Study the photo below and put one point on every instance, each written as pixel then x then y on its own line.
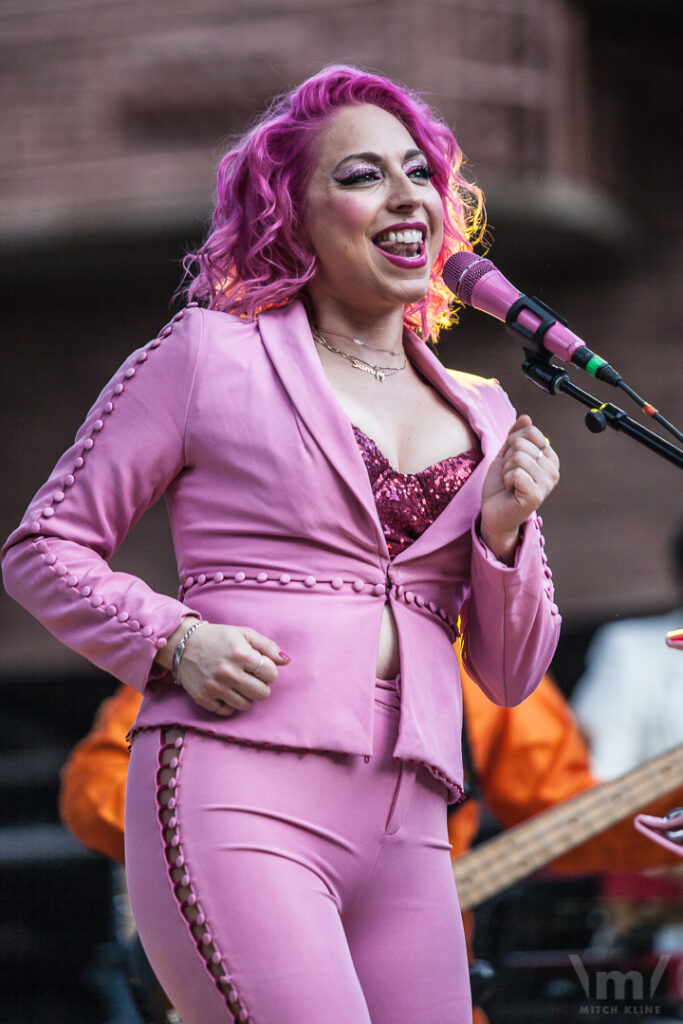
pixel 461 272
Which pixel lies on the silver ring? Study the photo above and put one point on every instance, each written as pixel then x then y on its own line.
pixel 253 671
pixel 541 451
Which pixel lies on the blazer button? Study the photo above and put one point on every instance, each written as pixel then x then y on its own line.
pixel 240 577
pixel 310 581
pixel 262 577
pixel 336 583
pixel 358 585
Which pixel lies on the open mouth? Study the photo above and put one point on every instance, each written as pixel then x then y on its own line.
pixel 406 243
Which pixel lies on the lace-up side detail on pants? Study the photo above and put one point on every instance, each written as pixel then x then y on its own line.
pixel 294 888
pixel 180 872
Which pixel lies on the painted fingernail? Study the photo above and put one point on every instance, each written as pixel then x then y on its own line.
pixel 283 654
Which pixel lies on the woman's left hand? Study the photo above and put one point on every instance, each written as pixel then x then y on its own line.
pixel 519 479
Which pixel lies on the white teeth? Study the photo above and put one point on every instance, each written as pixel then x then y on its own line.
pixel 407 236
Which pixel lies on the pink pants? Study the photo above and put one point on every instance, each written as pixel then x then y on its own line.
pixel 294 888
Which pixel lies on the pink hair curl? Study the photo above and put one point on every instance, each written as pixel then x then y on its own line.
pixel 256 254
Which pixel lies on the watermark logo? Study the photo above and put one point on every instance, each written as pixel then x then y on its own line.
pixel 619 992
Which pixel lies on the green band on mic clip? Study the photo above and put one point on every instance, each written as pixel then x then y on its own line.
pixel 594 364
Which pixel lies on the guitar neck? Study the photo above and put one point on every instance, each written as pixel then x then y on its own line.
pixel 520 850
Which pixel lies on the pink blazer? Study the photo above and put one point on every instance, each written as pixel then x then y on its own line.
pixel 274 526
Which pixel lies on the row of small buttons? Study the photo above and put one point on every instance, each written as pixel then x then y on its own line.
pixel 282 579
pixel 309 581
pixel 548 590
pixel 61 570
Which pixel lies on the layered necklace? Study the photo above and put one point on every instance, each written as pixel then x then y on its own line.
pixel 378 372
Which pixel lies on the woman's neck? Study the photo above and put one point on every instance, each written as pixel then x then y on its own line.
pixel 382 332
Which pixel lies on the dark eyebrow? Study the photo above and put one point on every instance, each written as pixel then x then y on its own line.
pixel 375 158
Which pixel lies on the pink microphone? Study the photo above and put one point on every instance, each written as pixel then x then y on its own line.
pixel 476 282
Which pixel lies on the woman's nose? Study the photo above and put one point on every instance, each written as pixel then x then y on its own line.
pixel 405 195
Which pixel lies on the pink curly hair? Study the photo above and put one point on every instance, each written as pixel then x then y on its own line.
pixel 256 255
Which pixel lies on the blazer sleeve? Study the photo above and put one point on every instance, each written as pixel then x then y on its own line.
pixel 510 622
pixel 126 453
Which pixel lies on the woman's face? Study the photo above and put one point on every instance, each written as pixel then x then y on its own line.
pixel 374 218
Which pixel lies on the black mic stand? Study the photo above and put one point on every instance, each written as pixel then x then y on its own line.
pixel 553 379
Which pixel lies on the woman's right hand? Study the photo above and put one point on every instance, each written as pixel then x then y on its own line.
pixel 224 668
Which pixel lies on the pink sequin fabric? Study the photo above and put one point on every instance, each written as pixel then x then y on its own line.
pixel 407 503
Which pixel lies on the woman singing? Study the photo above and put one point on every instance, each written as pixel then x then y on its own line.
pixel 341 506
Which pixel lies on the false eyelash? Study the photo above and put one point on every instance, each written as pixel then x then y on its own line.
pixel 428 172
pixel 353 179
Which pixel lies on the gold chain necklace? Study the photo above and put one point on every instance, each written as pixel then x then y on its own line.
pixel 322 331
pixel 378 372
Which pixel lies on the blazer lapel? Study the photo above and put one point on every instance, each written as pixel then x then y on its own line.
pixel 287 338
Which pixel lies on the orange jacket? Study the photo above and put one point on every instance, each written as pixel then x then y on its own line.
pixel 528 758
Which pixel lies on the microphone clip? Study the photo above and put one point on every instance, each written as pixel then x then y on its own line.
pixel 546 316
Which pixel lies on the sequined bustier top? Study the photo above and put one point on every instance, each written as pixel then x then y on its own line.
pixel 407 503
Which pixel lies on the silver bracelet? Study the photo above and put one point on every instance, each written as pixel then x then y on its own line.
pixel 178 653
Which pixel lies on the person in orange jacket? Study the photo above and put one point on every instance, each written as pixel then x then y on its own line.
pixel 528 759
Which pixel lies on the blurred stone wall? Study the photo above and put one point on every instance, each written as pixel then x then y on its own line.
pixel 115 110
pixel 114 115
